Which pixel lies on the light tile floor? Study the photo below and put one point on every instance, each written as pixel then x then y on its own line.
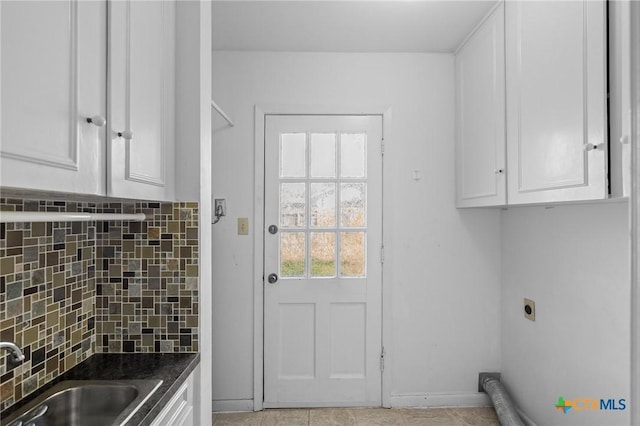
pixel 485 416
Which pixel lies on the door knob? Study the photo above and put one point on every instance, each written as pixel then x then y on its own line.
pixel 273 278
pixel 97 120
pixel 125 134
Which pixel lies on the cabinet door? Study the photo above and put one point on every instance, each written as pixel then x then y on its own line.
pixel 620 98
pixel 53 76
pixel 480 116
pixel 179 410
pixel 141 99
pixel 556 94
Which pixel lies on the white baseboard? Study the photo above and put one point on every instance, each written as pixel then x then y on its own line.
pixel 471 399
pixel 397 401
pixel 232 405
pixel 334 404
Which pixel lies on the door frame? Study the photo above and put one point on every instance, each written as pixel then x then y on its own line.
pixel 260 113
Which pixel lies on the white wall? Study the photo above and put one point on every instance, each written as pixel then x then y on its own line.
pixel 443 264
pixel 573 261
pixel 193 124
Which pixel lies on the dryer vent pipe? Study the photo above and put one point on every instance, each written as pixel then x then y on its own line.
pixel 505 409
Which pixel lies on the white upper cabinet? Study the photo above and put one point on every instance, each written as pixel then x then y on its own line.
pixel 480 115
pixel 141 99
pixel 556 101
pixel 53 76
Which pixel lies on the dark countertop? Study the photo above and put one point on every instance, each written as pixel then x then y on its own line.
pixel 172 368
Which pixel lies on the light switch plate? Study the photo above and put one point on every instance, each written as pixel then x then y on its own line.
pixel 530 309
pixel 243 226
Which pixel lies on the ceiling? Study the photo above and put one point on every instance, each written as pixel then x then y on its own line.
pixel 345 26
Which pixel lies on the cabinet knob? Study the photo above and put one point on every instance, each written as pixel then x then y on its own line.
pixel 125 134
pixel 498 171
pixel 97 120
pixel 591 147
pixel 624 140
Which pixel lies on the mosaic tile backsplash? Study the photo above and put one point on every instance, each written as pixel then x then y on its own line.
pixel 147 281
pixel 72 289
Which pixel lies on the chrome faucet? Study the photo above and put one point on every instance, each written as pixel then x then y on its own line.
pixel 18 356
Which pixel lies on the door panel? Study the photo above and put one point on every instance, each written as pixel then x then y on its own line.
pixel 323 190
pixel 297 324
pixel 348 344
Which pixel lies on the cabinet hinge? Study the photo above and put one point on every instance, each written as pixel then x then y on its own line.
pixel 382 253
pixel 382 360
pixel 382 146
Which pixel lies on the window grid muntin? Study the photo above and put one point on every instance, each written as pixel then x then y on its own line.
pixel 338 229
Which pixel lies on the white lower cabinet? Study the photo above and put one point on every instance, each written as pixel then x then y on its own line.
pixel 180 411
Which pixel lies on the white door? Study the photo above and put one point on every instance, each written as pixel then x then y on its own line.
pixel 556 101
pixel 52 78
pixel 322 270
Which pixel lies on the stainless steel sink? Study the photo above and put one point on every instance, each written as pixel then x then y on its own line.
pixel 85 402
